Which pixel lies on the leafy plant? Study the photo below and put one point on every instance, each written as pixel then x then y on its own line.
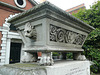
pixel 92 45
pixel 92 73
pixel 55 54
pixel 70 55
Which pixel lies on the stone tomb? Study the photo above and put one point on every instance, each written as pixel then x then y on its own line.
pixel 46 28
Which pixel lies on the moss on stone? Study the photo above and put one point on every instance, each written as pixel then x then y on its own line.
pixel 26 65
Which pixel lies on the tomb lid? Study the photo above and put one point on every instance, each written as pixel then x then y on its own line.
pixel 52 7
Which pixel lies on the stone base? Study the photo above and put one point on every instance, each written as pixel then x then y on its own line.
pixel 59 68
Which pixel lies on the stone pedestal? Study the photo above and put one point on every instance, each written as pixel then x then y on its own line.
pixel 59 68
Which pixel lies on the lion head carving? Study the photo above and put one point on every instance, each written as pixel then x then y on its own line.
pixel 30 31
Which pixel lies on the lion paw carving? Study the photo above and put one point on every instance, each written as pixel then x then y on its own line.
pixel 46 59
pixel 28 58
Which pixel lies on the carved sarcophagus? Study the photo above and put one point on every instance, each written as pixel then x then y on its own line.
pixel 47 28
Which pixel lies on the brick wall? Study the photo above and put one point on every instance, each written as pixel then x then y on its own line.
pixel 0 41
pixel 28 4
pixel 5 12
pixel 76 9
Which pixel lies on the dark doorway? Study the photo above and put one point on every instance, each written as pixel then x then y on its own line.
pixel 15 50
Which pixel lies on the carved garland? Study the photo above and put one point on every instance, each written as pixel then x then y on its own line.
pixel 58 34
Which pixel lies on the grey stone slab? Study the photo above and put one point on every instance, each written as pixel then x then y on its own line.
pixel 59 68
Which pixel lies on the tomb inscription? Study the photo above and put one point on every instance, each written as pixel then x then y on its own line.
pixel 76 71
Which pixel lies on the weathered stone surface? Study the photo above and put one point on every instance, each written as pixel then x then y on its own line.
pixel 69 68
pixel 59 68
pixel 52 29
pixel 46 28
pixel 22 69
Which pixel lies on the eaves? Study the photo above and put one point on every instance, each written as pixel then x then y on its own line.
pixel 11 6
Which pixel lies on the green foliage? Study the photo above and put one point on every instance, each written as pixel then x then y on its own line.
pixel 55 54
pixel 69 55
pixel 92 73
pixel 92 45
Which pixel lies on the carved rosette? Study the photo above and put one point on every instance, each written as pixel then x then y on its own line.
pixel 58 34
pixel 53 34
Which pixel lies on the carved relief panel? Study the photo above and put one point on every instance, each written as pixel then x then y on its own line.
pixel 61 35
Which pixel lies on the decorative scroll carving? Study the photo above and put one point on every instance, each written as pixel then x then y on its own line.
pixel 58 34
pixel 30 31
